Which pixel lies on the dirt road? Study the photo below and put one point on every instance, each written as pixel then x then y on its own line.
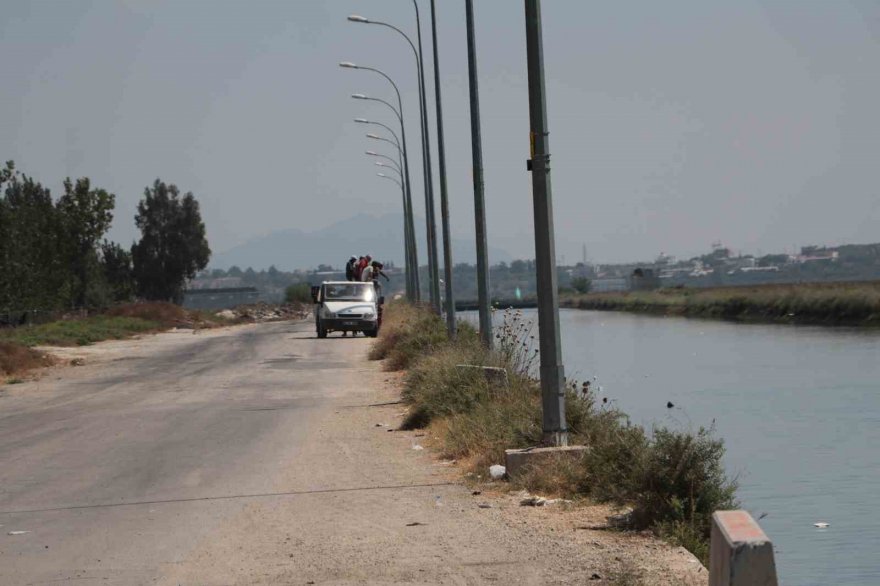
pixel 260 455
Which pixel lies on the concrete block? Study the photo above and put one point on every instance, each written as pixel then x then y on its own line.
pixel 515 460
pixel 740 553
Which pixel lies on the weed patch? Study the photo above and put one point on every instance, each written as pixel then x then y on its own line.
pixel 15 358
pixel 811 303
pixel 79 332
pixel 408 332
pixel 672 479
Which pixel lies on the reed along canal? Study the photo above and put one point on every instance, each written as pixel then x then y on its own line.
pixel 798 408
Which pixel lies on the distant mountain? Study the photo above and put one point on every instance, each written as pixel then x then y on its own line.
pixel 379 236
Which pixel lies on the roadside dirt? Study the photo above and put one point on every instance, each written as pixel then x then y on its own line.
pixel 353 500
pixel 369 507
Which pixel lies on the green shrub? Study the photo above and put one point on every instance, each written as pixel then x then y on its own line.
pixel 79 332
pixel 616 455
pixel 682 482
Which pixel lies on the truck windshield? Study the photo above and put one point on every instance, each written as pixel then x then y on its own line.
pixel 349 292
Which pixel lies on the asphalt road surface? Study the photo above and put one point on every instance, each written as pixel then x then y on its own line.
pixel 252 455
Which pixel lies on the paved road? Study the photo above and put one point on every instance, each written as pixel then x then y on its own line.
pixel 110 467
pixel 261 455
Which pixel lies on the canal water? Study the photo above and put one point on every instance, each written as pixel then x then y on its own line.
pixel 798 408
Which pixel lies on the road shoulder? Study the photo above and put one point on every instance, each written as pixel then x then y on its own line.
pixel 359 503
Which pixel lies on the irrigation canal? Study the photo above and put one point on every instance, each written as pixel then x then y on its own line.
pixel 798 407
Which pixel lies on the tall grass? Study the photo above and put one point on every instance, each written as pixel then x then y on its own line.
pixel 15 358
pixel 78 332
pixel 817 303
pixel 673 479
pixel 408 331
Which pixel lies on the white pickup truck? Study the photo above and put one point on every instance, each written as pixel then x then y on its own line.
pixel 346 306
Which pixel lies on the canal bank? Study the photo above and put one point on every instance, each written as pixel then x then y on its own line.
pixel 832 304
pixel 798 408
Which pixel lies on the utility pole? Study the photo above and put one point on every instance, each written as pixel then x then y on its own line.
pixel 552 370
pixel 433 261
pixel 479 200
pixel 444 198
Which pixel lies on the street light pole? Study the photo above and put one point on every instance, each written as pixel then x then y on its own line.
pixel 406 237
pixel 444 198
pixel 409 219
pixel 433 286
pixel 429 178
pixel 552 370
pixel 412 268
pixel 479 199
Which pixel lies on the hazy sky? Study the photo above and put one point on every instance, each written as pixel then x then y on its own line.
pixel 672 124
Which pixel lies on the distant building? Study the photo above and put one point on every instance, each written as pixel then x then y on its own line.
pixel 644 280
pixel 608 285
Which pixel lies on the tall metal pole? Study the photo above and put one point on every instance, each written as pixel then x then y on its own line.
pixel 433 286
pixel 430 220
pixel 412 231
pixel 398 167
pixel 411 267
pixel 479 200
pixel 444 198
pixel 552 370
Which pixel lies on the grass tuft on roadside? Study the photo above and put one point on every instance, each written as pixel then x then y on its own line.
pixel 408 331
pixel 15 358
pixel 78 332
pixel 672 479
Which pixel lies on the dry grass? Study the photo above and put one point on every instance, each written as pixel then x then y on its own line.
pixel 817 303
pixel 167 314
pixel 15 359
pixel 408 331
pixel 672 479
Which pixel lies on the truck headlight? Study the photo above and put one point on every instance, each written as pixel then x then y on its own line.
pixel 369 314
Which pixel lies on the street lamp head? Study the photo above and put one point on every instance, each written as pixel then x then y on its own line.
pixel 357 18
pixel 382 175
pixel 348 65
pixel 362 120
pixel 372 153
pixel 380 164
pixel 359 96
pixel 374 136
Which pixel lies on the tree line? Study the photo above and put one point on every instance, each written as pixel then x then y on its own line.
pixel 54 254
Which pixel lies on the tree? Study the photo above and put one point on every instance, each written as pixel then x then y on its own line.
pixel 172 247
pixel 32 272
pixel 581 284
pixel 85 216
pixel 116 266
